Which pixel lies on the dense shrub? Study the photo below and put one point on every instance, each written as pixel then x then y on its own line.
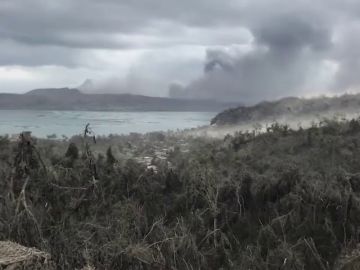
pixel 283 199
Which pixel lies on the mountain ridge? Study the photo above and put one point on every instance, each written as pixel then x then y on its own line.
pixel 289 107
pixel 74 99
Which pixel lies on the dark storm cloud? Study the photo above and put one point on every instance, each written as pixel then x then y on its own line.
pixel 89 23
pixel 58 27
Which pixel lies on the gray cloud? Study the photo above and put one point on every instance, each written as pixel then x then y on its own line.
pixel 284 49
pixel 291 33
pixel 152 72
pixel 347 57
pixel 13 53
pixel 253 50
pixel 101 24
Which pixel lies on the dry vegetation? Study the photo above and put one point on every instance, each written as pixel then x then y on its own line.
pixel 283 199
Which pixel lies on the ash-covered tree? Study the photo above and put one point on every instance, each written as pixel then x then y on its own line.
pixel 110 159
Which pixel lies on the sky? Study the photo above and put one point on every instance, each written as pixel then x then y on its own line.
pixel 228 50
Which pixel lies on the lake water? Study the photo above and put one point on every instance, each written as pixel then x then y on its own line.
pixel 69 123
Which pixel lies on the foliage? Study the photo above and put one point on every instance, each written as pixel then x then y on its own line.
pixel 282 199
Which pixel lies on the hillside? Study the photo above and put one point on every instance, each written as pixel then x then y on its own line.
pixel 73 99
pixel 284 199
pixel 291 107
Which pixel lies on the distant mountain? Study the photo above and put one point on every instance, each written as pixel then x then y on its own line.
pixel 53 92
pixel 74 99
pixel 289 107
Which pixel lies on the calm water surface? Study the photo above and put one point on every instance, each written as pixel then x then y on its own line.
pixel 69 123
